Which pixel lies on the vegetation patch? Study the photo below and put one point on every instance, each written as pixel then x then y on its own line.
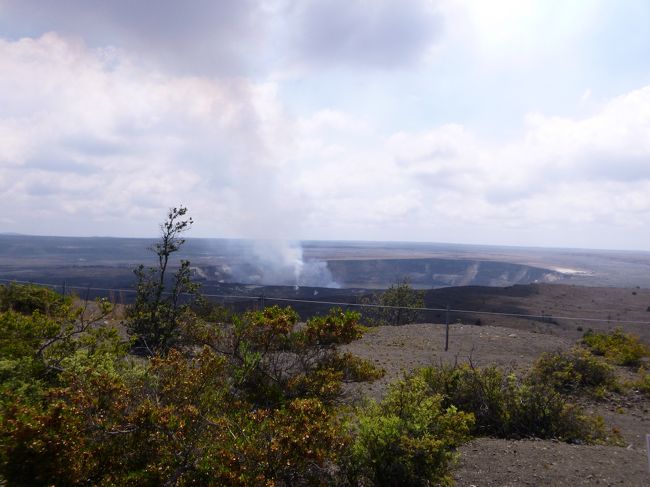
pixel 196 395
pixel 28 298
pixel 400 304
pixel 642 383
pixel 574 372
pixel 409 438
pixel 617 347
pixel 183 401
pixel 506 407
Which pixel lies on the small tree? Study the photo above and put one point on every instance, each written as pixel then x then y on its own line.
pixel 163 302
pixel 400 300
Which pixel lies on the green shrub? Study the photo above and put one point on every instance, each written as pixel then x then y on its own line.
pixel 338 327
pixel 401 302
pixel 28 298
pixel 617 347
pixel 407 439
pixel 505 407
pixel 538 411
pixel 174 421
pixel 481 391
pixel 274 359
pixel 354 369
pixel 574 371
pixel 34 347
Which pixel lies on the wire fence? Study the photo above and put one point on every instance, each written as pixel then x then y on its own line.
pixel 262 300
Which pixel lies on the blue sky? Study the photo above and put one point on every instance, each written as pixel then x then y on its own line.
pixel 513 122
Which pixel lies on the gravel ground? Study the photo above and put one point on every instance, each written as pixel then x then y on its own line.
pixel 505 463
pixel 496 462
pixel 399 349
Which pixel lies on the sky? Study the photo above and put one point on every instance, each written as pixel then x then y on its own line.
pixel 508 122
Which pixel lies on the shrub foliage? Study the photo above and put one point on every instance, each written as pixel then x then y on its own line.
pixel 407 439
pixel 507 407
pixel 249 399
pixel 397 305
pixel 256 404
pixel 27 298
pixel 574 371
pixel 617 347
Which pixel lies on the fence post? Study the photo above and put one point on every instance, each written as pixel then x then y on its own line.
pixel 447 329
pixel 63 288
pixel 262 301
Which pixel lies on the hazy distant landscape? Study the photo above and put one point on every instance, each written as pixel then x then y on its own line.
pixel 547 283
pixel 108 262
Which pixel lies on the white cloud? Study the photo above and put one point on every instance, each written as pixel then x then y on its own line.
pixel 93 134
pixel 94 141
pixel 561 175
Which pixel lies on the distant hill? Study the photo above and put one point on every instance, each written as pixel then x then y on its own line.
pixel 108 262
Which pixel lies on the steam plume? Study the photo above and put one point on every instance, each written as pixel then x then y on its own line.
pixel 279 262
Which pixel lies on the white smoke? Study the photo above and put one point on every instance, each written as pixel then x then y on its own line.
pixel 279 262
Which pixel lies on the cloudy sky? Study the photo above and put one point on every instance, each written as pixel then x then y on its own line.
pixel 515 122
